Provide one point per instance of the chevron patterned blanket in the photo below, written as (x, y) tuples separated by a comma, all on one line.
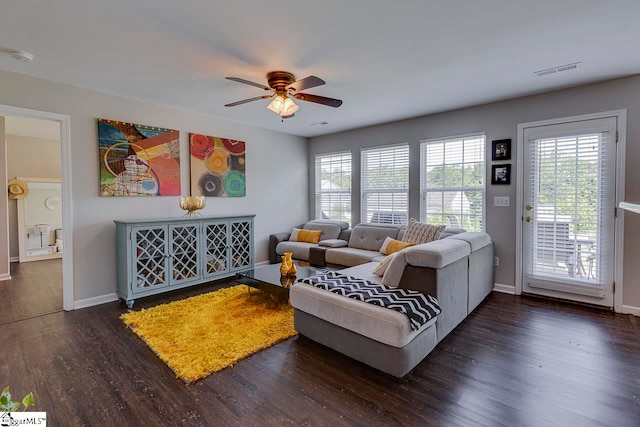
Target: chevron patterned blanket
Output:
[(420, 308)]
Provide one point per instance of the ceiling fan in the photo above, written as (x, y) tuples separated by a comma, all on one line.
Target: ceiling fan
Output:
[(283, 87)]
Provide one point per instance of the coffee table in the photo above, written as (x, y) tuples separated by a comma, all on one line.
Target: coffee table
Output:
[(268, 277)]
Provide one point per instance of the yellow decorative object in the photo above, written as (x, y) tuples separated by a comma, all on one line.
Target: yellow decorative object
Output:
[(192, 204), (292, 269), (284, 267), (309, 236), (181, 332)]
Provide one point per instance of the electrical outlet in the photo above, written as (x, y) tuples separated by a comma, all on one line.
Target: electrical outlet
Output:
[(496, 261)]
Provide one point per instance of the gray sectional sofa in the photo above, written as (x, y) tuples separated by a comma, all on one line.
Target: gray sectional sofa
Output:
[(457, 269), (339, 245)]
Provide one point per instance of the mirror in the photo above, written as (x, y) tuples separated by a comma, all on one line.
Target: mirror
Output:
[(40, 220)]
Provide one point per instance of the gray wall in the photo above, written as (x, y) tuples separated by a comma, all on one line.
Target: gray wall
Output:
[(499, 120), (31, 158), (276, 173)]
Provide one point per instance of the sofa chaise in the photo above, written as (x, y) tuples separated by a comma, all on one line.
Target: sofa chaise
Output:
[(456, 269)]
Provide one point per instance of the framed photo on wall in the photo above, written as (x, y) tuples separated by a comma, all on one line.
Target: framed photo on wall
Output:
[(501, 174), (501, 149)]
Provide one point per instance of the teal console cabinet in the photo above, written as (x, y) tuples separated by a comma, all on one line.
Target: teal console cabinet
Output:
[(160, 255)]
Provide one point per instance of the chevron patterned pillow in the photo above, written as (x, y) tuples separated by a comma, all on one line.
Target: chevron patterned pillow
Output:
[(418, 232)]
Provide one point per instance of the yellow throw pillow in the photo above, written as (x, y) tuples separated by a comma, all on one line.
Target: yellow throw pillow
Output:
[(309, 236), (392, 245)]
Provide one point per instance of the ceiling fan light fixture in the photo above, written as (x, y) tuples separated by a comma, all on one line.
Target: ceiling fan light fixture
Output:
[(283, 106), (290, 108)]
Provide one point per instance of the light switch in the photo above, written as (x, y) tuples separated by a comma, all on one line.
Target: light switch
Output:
[(502, 201)]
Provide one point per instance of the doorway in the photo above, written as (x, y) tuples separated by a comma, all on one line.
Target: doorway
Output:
[(567, 195), (66, 199)]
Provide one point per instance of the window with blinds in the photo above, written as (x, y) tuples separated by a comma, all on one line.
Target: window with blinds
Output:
[(333, 186), (568, 184), (452, 182), (385, 184)]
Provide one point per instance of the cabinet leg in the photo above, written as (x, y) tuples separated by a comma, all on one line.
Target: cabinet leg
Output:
[(130, 303)]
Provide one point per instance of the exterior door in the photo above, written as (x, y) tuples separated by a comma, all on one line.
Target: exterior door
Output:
[(568, 219)]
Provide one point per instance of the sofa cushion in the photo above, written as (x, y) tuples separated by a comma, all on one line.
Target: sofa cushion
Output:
[(299, 250), (418, 232), (436, 254), (330, 229), (333, 243), (476, 239), (349, 256), (371, 236), (363, 271), (392, 245), (378, 323), (309, 236)]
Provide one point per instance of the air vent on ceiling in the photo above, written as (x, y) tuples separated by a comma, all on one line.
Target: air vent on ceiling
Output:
[(558, 69)]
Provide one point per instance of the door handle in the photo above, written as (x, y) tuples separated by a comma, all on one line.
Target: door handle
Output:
[(528, 219), (528, 207)]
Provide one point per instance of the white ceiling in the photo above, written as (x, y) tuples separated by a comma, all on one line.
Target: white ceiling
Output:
[(387, 60)]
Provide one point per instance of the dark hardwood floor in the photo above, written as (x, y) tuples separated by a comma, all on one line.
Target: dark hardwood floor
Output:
[(35, 289), (513, 362)]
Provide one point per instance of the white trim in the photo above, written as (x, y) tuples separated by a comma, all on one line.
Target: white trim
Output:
[(90, 302), (629, 309), (4, 277), (621, 116), (505, 289), (14, 259), (262, 263), (461, 136), (67, 198)]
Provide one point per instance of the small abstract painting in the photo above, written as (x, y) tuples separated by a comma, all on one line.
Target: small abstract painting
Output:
[(138, 160), (217, 166)]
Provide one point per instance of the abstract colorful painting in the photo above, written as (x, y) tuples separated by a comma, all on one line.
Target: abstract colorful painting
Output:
[(217, 166), (138, 160)]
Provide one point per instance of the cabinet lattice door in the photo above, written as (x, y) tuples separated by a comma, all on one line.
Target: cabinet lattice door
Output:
[(241, 244), (150, 250), (184, 256), (217, 246)]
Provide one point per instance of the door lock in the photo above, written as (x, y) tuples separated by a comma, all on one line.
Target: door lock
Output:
[(528, 219), (528, 207)]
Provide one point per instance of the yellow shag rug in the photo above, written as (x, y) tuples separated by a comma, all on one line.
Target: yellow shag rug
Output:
[(204, 334)]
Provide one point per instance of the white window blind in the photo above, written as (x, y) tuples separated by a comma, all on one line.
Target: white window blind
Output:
[(452, 181), (385, 184), (333, 186), (571, 206)]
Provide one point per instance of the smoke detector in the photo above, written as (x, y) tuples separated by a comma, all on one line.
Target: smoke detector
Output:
[(558, 69), (21, 55)]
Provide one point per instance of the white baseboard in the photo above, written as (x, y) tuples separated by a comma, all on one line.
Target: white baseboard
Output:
[(629, 309), (505, 289), (89, 302), (14, 259), (5, 277), (262, 263)]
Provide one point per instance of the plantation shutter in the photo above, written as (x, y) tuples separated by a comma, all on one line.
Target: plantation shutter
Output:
[(333, 186), (385, 184), (452, 181), (570, 203)]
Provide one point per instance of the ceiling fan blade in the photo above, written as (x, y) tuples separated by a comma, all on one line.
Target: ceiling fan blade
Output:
[(331, 102), (244, 101), (306, 83), (247, 82)]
